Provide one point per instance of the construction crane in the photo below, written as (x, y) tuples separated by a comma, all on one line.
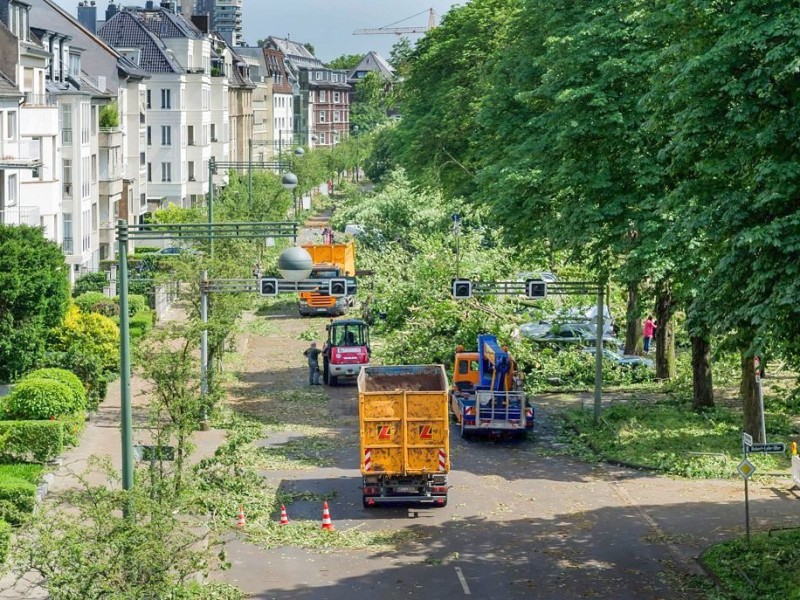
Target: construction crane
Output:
[(402, 30)]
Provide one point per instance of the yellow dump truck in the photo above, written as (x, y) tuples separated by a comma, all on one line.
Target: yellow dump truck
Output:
[(330, 261), (405, 441)]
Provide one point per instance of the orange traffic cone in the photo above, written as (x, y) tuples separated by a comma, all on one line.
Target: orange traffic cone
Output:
[(284, 516), (240, 522), (326, 518)]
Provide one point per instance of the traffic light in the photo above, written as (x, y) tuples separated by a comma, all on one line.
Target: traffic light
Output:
[(462, 289), (268, 286), (536, 289), (337, 287)]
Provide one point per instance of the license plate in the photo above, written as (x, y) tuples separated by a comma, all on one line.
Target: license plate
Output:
[(322, 310), (406, 489)]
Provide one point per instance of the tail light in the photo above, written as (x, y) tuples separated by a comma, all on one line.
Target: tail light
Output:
[(529, 413), (439, 489), (371, 491)]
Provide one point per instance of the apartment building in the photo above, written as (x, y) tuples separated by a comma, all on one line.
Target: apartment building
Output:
[(262, 134), (225, 18), (183, 128)]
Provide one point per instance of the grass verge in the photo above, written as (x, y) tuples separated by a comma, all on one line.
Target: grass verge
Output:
[(30, 473), (307, 452), (769, 567), (669, 437)]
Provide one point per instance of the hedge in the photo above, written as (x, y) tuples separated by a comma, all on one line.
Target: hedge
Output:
[(41, 399), (72, 428), (141, 323), (68, 378), (17, 499), (91, 282), (97, 302), (37, 441), (5, 541)]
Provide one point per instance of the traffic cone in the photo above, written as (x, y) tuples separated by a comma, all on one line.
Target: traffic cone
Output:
[(326, 518), (240, 522), (284, 516)]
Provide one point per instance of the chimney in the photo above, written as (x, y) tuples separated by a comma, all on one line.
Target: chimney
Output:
[(168, 6), (201, 22), (148, 5), (111, 10), (87, 15)]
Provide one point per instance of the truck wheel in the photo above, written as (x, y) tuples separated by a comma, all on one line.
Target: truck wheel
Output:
[(465, 434)]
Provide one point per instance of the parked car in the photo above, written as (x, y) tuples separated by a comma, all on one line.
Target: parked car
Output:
[(625, 360), (175, 251), (577, 333)]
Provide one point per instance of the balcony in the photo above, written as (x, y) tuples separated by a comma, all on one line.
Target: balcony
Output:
[(66, 136), (23, 154), (67, 246), (40, 100), (20, 215), (110, 137), (110, 180)]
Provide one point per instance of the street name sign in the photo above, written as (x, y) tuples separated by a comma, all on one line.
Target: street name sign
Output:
[(747, 439), (774, 448)]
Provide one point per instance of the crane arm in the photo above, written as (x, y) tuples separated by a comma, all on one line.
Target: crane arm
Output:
[(495, 363)]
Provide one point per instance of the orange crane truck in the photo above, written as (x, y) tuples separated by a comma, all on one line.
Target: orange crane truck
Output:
[(405, 438), (329, 261)]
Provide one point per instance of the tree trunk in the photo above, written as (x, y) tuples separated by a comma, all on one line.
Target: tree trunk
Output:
[(702, 382), (665, 335), (749, 393), (633, 324)]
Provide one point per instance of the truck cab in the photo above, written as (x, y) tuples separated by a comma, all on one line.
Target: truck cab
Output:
[(329, 261), (346, 350), (487, 396)]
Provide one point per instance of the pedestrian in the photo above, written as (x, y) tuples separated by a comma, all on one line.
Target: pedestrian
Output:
[(257, 270), (330, 186), (312, 353), (648, 329)]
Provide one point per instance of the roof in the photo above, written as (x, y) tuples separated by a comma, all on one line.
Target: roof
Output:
[(7, 88), (167, 24), (294, 51), (126, 30), (374, 62)]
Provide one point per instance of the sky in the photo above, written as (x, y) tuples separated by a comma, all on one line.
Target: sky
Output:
[(327, 24)]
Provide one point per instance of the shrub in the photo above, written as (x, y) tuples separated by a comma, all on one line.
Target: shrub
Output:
[(91, 282), (5, 541), (97, 303), (141, 323), (89, 369), (92, 333), (40, 399), (17, 499), (66, 377), (72, 427), (146, 249), (136, 303), (109, 115), (38, 441)]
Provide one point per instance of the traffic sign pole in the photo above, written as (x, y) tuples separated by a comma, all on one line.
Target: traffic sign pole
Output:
[(746, 488)]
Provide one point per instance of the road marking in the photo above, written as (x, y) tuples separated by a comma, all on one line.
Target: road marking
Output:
[(463, 582)]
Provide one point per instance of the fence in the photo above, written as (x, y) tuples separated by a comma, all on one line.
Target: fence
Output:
[(20, 215), (165, 295), (796, 470)]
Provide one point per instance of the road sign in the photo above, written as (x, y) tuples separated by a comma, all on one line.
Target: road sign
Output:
[(747, 439), (746, 469), (774, 448)]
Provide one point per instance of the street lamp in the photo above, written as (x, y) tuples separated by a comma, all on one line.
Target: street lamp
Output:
[(299, 151), (289, 183), (355, 132)]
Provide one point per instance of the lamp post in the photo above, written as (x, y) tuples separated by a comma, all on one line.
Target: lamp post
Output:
[(355, 133), (289, 183)]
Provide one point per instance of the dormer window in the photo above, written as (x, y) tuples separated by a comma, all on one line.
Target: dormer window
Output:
[(75, 66), (18, 21)]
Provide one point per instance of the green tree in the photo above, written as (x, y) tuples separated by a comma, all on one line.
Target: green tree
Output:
[(400, 56), (34, 292), (345, 62)]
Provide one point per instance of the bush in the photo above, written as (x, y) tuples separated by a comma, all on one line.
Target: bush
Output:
[(91, 333), (141, 323), (38, 441), (95, 302), (89, 369), (66, 377), (72, 427), (40, 399), (17, 499), (136, 303), (146, 249), (91, 282), (5, 541)]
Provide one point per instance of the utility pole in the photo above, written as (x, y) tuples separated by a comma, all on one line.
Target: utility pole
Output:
[(126, 421), (250, 172), (204, 343), (598, 354), (212, 168)]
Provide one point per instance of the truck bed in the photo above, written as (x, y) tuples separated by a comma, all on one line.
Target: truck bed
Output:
[(404, 420)]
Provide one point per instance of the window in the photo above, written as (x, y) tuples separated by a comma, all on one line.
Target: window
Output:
[(149, 135), (213, 132), (86, 170), (318, 75), (142, 159), (322, 138), (311, 97), (149, 103), (94, 120), (166, 101), (166, 171), (337, 116), (142, 200), (12, 191), (191, 170), (66, 177), (190, 133), (94, 216), (322, 117), (11, 130), (166, 135), (86, 115), (322, 95), (94, 168), (67, 220), (86, 238), (337, 97), (149, 171), (66, 124)]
